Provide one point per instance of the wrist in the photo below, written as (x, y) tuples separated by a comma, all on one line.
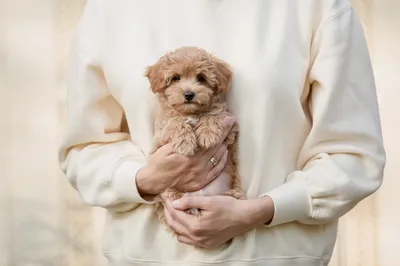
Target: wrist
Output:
[(259, 211), (145, 183), (267, 207)]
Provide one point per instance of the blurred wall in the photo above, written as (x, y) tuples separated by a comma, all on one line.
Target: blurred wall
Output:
[(42, 220), (386, 59)]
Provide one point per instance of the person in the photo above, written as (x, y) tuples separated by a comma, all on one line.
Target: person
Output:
[(310, 143)]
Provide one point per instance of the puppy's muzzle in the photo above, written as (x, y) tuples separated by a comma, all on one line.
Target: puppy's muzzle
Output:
[(188, 95)]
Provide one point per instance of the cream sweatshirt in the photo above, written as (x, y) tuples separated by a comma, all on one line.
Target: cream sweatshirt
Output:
[(304, 96)]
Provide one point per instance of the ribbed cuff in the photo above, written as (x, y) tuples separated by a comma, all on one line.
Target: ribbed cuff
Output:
[(291, 203), (124, 182)]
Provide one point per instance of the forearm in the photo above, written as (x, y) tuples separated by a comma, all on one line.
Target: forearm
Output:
[(103, 174), (342, 159)]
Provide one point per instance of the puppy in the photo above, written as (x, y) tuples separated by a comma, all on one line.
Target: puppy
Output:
[(190, 85)]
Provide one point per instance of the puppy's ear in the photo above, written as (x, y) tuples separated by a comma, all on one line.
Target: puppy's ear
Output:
[(156, 77), (223, 74)]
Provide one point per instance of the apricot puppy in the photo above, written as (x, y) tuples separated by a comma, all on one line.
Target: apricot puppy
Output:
[(190, 85)]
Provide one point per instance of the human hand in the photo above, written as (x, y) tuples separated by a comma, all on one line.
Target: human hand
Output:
[(221, 219), (165, 169)]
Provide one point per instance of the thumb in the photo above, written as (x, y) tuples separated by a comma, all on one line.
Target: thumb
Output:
[(165, 149), (184, 203)]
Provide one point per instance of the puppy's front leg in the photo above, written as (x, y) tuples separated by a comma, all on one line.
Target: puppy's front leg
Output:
[(184, 139), (209, 131)]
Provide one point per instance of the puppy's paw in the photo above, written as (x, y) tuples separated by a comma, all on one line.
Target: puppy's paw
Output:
[(194, 211), (208, 139), (186, 147)]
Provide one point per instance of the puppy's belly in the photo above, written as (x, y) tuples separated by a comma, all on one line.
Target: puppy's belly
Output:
[(218, 186)]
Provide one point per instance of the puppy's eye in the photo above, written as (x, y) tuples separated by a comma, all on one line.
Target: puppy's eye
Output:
[(200, 78), (176, 78)]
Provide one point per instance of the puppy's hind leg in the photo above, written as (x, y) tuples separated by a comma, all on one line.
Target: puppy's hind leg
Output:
[(236, 191), (232, 168)]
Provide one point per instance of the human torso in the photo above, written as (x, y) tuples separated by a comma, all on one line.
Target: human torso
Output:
[(267, 43)]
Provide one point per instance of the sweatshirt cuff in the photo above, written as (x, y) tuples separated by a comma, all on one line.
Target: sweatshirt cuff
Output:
[(291, 203), (124, 182)]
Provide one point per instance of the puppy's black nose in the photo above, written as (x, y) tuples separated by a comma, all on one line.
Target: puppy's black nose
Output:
[(189, 95)]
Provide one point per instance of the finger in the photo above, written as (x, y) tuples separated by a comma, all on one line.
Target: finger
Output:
[(186, 240), (184, 203), (218, 155), (165, 149), (174, 225), (228, 124), (180, 216), (216, 170), (210, 152)]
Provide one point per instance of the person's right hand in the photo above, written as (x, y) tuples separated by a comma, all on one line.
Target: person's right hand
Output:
[(165, 169)]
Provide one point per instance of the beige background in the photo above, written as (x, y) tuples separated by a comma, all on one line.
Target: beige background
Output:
[(42, 221)]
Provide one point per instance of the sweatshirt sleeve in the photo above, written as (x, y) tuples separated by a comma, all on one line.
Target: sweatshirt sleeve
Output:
[(97, 156), (343, 158)]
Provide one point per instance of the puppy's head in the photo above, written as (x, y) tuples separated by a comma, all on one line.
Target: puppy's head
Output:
[(189, 79)]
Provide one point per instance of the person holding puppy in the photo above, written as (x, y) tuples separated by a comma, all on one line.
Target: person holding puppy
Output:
[(310, 146)]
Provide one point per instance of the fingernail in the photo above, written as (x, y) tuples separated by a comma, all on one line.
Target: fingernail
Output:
[(175, 203), (227, 121)]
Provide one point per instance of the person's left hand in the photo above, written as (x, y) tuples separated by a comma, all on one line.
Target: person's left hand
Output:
[(222, 218)]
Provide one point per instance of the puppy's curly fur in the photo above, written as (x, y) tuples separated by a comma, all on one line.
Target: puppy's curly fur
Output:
[(190, 85)]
